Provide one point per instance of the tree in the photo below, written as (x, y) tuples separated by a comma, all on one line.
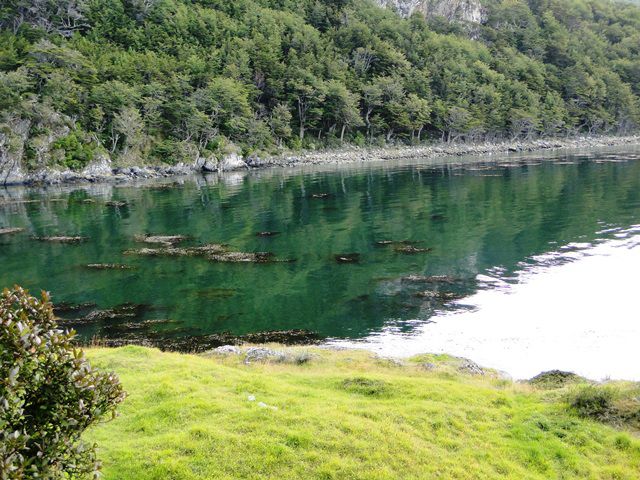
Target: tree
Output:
[(341, 107), (280, 122), (49, 394), (419, 113), (458, 122), (307, 94), (371, 99), (128, 123)]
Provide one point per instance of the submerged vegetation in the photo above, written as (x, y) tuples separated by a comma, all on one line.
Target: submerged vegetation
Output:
[(181, 80), (313, 413)]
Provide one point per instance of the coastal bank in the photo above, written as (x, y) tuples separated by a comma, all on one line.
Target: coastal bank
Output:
[(102, 169)]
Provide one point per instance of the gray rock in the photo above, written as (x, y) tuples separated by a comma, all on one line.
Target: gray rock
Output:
[(232, 162), (470, 368), (470, 11), (428, 366), (259, 354), (203, 164), (228, 350), (100, 167)]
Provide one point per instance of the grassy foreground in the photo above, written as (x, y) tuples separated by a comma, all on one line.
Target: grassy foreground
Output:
[(343, 415)]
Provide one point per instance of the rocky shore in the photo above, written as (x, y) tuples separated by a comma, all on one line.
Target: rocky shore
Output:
[(103, 171)]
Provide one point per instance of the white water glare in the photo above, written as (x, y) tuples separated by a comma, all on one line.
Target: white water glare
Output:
[(575, 309)]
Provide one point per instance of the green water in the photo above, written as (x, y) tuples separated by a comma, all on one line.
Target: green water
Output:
[(476, 216)]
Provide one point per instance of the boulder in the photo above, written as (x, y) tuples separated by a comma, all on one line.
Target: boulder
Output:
[(100, 167), (471, 368), (232, 162), (227, 350), (259, 354)]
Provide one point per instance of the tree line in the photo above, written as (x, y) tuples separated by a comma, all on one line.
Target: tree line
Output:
[(174, 80)]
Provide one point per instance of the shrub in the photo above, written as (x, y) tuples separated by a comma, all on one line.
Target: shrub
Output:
[(555, 379), (77, 152), (365, 386), (49, 394), (594, 401)]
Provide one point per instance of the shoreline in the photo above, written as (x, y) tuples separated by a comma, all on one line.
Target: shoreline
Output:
[(104, 173)]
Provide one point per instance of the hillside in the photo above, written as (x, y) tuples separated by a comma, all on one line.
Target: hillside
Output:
[(323, 414), (169, 81)]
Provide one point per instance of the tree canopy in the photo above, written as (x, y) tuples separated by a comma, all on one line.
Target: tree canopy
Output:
[(173, 80)]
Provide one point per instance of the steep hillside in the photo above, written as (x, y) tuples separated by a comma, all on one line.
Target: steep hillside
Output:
[(89, 82)]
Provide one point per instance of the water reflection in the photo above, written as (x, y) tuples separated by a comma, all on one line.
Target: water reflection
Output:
[(574, 308), (467, 220)]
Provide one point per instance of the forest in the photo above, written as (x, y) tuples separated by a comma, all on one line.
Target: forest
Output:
[(169, 81)]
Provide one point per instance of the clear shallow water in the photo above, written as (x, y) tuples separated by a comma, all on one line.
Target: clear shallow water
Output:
[(574, 309), (482, 219)]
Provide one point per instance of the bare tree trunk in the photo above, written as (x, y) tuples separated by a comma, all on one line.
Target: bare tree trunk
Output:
[(302, 111)]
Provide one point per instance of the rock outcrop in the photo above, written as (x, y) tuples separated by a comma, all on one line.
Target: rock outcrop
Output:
[(468, 11), (12, 142)]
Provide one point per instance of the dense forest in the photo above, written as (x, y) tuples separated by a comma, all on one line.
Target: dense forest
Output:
[(176, 80)]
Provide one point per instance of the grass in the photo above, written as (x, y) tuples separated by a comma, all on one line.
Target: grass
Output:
[(344, 415)]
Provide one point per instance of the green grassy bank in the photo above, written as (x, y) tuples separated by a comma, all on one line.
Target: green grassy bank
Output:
[(344, 415)]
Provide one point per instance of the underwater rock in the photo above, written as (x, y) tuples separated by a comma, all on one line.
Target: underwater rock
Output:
[(208, 249), (386, 243), (430, 279), (285, 337), (242, 257), (202, 343), (443, 296), (214, 252), (10, 231), (347, 257), (411, 250), (123, 311), (109, 266), (214, 293), (62, 239), (166, 240), (129, 327), (66, 307)]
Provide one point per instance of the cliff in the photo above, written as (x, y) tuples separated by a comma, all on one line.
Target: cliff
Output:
[(468, 11)]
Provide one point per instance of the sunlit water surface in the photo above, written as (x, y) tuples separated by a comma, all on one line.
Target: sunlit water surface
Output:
[(543, 249)]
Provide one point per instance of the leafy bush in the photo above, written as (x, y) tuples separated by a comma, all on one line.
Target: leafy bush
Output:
[(77, 153), (594, 401), (49, 394)]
